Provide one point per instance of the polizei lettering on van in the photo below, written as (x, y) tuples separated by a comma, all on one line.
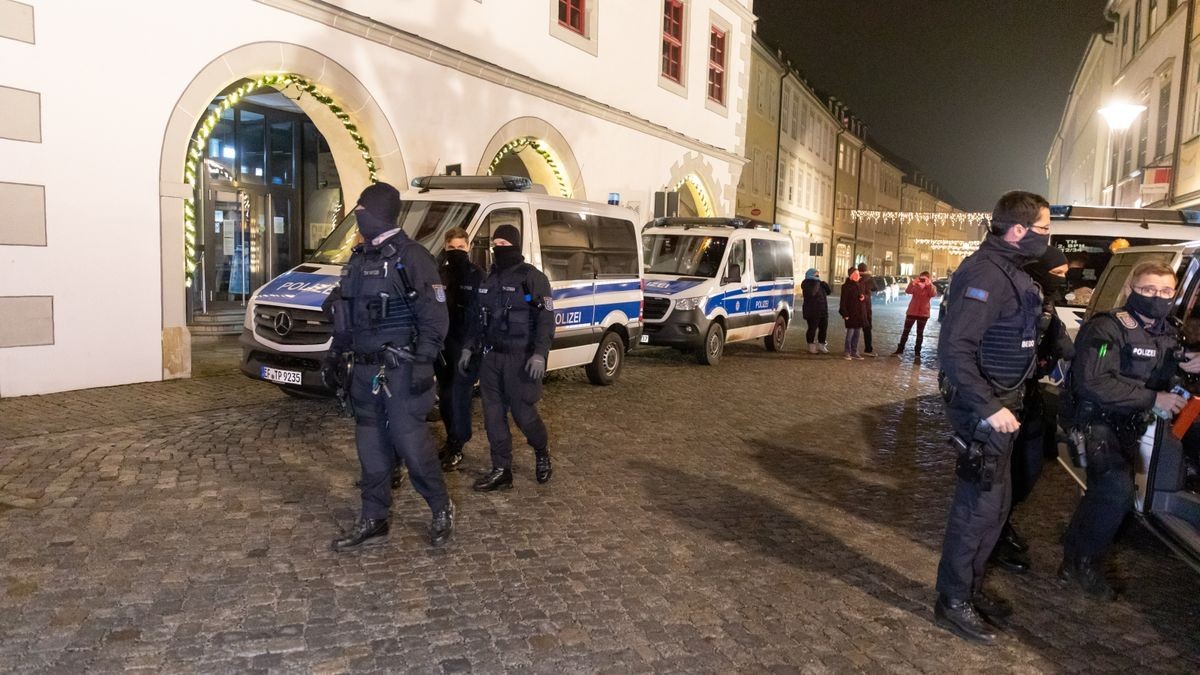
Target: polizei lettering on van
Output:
[(298, 289)]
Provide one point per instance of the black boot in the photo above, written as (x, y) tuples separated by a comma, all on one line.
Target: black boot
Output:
[(1009, 534), (1088, 573), (366, 533), (442, 525), (497, 479), (1007, 556), (451, 455), (993, 607), (543, 471), (960, 618)]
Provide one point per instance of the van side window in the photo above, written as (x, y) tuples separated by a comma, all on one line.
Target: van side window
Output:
[(481, 245), (764, 259), (783, 259), (580, 246), (737, 256)]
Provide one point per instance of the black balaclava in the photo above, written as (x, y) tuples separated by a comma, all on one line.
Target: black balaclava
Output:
[(379, 207), (507, 256), (456, 259), (1053, 286)]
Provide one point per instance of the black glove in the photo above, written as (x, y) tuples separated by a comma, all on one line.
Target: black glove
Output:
[(535, 367), (464, 361), (331, 368)]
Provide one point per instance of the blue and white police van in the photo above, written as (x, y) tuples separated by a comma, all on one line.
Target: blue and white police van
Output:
[(710, 281), (589, 251)]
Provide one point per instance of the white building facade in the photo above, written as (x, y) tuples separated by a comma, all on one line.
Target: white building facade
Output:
[(104, 241)]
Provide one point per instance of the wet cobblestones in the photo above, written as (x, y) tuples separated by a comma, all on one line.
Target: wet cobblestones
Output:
[(779, 513)]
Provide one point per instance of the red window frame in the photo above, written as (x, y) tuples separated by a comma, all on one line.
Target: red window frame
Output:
[(672, 40), (716, 65), (571, 15)]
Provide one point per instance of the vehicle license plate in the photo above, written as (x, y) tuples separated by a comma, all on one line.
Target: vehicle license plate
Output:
[(281, 376), (645, 339)]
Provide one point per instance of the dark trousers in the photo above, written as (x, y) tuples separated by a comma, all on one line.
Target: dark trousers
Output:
[(389, 430), (818, 329), (454, 395), (976, 517), (868, 346), (908, 324), (1109, 496), (1029, 447), (507, 388)]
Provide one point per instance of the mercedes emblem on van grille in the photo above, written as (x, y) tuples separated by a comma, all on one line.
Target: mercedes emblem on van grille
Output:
[(283, 324)]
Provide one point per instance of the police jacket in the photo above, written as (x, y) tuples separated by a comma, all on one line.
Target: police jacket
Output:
[(390, 293), (987, 343), (462, 284), (514, 312), (1121, 363)]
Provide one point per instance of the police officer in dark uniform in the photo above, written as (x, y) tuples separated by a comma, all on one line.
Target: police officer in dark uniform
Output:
[(389, 312), (987, 351), (1125, 361), (514, 328), (462, 279)]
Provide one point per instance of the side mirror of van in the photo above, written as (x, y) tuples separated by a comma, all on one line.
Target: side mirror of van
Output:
[(733, 275)]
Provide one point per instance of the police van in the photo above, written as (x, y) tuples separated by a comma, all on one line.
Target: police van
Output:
[(589, 251), (1168, 477), (710, 281), (1090, 235)]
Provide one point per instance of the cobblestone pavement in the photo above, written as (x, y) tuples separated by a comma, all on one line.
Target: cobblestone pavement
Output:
[(778, 513)]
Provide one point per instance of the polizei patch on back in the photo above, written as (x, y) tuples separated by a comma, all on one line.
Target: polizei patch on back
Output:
[(1126, 319), (976, 294)]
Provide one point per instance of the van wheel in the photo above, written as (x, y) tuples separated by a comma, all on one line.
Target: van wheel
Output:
[(606, 365), (774, 341), (714, 345)]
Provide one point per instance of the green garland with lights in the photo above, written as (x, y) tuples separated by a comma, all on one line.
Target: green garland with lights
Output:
[(515, 146), (698, 191), (200, 141)]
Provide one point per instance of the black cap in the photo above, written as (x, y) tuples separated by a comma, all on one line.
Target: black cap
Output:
[(508, 233)]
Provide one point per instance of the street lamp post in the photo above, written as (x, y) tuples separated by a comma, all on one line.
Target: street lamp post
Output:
[(1119, 117)]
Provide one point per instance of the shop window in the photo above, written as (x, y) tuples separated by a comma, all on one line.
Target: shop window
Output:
[(251, 155), (571, 15), (282, 154), (672, 40), (716, 65)]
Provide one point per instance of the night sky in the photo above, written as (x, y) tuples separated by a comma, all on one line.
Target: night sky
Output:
[(971, 91)]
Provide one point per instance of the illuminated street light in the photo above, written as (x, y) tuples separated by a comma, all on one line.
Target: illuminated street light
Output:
[(1119, 117)]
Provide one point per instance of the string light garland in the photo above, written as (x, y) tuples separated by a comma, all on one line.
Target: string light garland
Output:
[(931, 218), (698, 193), (543, 150), (954, 246), (196, 152)]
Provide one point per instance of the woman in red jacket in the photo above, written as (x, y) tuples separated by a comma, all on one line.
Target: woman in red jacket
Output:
[(922, 291)]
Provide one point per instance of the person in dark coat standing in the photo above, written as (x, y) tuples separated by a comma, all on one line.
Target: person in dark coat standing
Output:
[(922, 291), (867, 284), (815, 310), (462, 279), (514, 330), (853, 309)]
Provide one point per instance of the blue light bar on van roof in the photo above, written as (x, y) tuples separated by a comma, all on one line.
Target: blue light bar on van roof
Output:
[(495, 183), (686, 222)]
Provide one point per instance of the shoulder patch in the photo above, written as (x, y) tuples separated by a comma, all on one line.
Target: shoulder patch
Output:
[(439, 292), (976, 294), (1126, 319), (548, 302)]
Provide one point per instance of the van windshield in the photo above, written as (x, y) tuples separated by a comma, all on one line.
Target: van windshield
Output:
[(684, 254), (427, 222), (1087, 256)]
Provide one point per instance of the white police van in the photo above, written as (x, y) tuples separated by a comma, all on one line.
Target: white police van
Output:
[(589, 251), (715, 280)]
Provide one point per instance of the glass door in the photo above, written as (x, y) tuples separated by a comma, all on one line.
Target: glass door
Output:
[(235, 259)]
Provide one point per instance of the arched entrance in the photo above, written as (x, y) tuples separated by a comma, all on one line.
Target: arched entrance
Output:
[(694, 199), (531, 147), (360, 142)]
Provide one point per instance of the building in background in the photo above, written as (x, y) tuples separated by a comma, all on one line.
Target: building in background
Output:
[(256, 122)]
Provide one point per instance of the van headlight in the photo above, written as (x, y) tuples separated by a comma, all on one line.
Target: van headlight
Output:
[(687, 304)]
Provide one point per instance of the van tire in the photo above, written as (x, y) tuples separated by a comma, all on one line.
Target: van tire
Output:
[(710, 352), (774, 341), (606, 364)]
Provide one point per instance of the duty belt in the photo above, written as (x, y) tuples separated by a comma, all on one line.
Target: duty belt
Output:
[(371, 358)]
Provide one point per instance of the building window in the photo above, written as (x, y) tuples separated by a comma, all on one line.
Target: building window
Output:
[(1143, 142), (716, 65), (1152, 17), (1194, 113), (570, 15), (1124, 37), (672, 41), (1137, 25), (1164, 113), (786, 114)]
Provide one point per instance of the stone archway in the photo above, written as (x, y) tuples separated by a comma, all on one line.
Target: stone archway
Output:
[(542, 151), (692, 177), (353, 108)]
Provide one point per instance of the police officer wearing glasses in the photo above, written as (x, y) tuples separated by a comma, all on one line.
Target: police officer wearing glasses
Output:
[(1125, 361), (514, 327), (389, 314), (987, 349)]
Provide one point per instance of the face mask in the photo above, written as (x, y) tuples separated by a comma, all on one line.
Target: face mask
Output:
[(371, 226), (456, 257), (1153, 307), (506, 256), (1033, 245)]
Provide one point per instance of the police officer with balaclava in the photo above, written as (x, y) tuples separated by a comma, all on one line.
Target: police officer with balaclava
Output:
[(987, 351), (514, 328), (1121, 377), (462, 279), (389, 312)]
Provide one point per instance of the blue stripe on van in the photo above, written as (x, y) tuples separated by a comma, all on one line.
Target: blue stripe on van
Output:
[(598, 287)]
